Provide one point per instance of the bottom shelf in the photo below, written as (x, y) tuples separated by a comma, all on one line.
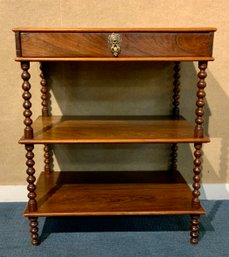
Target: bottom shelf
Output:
[(113, 193)]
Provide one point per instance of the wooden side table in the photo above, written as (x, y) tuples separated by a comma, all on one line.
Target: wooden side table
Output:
[(100, 193)]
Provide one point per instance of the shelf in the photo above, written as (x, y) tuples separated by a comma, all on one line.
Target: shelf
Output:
[(113, 193), (140, 129), (114, 59)]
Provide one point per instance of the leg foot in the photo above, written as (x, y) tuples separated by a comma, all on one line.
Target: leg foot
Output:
[(34, 230), (195, 229)]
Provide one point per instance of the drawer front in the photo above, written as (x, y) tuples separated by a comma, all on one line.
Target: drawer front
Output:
[(132, 44)]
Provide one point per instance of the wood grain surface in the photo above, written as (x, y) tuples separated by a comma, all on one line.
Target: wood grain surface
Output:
[(113, 193), (139, 129), (93, 43)]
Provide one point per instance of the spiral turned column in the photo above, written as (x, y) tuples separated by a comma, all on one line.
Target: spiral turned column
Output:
[(195, 226), (33, 222), (28, 131), (199, 131), (197, 171), (32, 203)]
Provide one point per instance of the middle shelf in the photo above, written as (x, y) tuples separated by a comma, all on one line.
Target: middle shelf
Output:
[(122, 129)]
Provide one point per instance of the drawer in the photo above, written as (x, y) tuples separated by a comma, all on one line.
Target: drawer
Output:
[(74, 44)]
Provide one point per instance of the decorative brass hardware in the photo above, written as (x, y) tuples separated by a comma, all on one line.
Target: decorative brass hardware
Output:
[(114, 40)]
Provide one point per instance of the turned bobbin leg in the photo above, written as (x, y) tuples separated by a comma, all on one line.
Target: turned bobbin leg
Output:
[(44, 92), (32, 203), (199, 133), (194, 234), (33, 222), (47, 159), (45, 113), (28, 134), (175, 111), (173, 165), (28, 131), (196, 178), (196, 193), (176, 90)]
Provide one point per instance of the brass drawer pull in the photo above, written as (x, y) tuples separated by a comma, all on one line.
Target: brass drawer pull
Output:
[(115, 40)]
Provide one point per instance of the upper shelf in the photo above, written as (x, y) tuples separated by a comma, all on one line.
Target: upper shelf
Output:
[(164, 44), (145, 129)]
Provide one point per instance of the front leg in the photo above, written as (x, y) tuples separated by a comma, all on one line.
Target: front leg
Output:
[(34, 230), (195, 229)]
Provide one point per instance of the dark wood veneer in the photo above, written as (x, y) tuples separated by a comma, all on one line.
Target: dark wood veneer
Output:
[(93, 43), (139, 44)]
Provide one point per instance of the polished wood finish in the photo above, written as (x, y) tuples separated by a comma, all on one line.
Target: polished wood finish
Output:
[(195, 221), (199, 130), (113, 59), (18, 43), (33, 222), (145, 129), (47, 159), (45, 113), (44, 92), (113, 193), (139, 43), (28, 131), (176, 90), (197, 171), (32, 203)]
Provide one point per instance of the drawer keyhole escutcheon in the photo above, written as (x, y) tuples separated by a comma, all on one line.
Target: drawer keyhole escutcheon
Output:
[(115, 40)]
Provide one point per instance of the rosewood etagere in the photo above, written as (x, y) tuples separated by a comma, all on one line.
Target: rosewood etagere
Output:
[(126, 193)]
